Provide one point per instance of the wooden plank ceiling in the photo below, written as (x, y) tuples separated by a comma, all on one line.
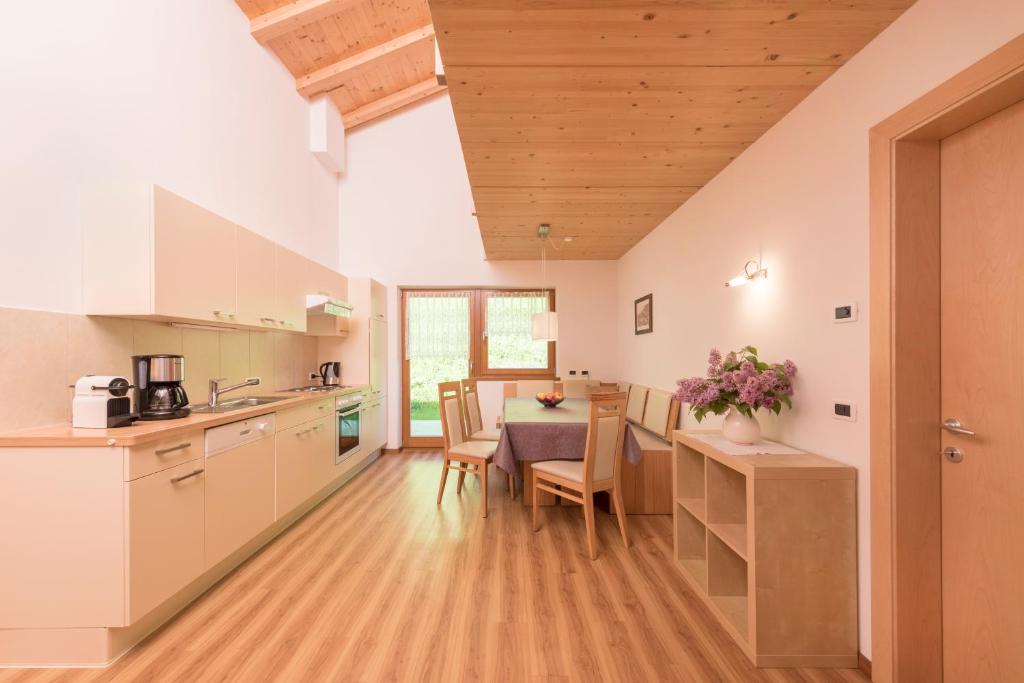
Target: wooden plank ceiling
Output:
[(372, 57), (601, 117)]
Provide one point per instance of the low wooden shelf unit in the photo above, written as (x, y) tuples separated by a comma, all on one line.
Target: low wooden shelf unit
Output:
[(770, 543)]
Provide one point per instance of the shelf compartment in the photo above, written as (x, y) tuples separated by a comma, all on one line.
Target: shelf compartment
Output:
[(695, 506), (727, 584), (689, 473), (726, 497), (691, 546), (733, 535)]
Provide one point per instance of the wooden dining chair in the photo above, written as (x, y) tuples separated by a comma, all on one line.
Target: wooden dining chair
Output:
[(474, 418), (460, 453), (598, 471)]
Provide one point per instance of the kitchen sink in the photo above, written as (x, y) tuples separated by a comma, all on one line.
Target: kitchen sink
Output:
[(237, 404)]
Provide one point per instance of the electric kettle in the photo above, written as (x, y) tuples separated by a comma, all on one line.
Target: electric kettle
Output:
[(330, 373)]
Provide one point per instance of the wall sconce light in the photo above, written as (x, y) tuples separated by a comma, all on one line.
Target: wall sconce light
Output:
[(752, 270)]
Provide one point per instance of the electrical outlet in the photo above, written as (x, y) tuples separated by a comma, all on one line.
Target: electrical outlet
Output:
[(844, 313), (572, 373), (844, 410)]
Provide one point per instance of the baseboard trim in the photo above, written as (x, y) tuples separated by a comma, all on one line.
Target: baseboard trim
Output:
[(391, 451), (864, 664)]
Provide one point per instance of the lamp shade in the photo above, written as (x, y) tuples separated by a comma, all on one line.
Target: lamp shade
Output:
[(545, 326)]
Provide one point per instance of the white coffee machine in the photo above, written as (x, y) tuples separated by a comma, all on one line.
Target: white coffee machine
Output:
[(101, 402)]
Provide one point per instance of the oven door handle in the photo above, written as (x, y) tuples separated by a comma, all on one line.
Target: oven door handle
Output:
[(352, 411)]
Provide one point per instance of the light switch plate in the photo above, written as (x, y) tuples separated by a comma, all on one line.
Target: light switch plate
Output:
[(844, 410), (844, 313)]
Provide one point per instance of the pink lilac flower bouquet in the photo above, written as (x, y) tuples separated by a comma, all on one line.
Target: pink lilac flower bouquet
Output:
[(739, 380)]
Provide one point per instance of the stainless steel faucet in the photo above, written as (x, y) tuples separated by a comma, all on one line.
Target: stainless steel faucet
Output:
[(216, 390)]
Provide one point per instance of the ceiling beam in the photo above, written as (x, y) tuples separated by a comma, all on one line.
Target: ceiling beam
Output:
[(289, 17), (334, 75), (392, 102)]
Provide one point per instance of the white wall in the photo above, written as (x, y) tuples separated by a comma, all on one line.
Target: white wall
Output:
[(176, 93), (406, 220), (799, 198)]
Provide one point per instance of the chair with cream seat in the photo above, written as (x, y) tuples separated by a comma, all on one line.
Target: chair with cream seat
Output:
[(598, 471), (460, 453), (474, 418)]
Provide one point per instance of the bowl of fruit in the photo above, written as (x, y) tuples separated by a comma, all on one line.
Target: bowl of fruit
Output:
[(550, 399)]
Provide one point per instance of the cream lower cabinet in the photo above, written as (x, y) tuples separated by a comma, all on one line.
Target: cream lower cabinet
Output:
[(305, 462), (239, 497), (165, 534)]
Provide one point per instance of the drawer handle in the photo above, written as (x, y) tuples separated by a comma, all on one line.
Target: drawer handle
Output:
[(193, 473), (304, 431), (179, 447), (245, 432), (267, 320)]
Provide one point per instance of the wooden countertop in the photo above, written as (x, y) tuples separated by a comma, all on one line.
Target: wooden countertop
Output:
[(64, 435), (769, 466)]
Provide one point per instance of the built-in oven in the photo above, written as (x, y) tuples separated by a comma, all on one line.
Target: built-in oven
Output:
[(349, 413)]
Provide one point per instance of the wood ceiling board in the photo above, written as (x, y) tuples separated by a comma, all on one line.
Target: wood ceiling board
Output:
[(555, 202), (391, 103), (381, 56), (293, 16), (564, 226), (357, 28), (699, 34), (679, 104), (392, 74), (596, 164)]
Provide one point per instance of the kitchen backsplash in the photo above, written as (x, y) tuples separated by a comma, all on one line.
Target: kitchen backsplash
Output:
[(41, 353)]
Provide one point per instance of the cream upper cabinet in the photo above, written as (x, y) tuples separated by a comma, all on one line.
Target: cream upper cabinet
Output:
[(193, 261), (378, 301), (325, 281), (147, 252), (293, 283), (378, 356), (257, 280)]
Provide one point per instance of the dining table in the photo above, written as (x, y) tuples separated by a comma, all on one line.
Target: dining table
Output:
[(532, 432)]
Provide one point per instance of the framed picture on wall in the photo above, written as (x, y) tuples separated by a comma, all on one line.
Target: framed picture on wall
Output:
[(643, 315)]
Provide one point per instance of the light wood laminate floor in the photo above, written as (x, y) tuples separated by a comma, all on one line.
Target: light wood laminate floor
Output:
[(379, 584)]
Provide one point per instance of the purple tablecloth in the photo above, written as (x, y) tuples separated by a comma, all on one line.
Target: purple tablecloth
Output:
[(532, 432)]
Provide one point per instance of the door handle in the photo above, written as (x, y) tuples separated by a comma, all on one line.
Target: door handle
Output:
[(193, 473), (952, 424)]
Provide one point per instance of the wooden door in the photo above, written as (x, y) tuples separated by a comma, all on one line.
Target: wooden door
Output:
[(256, 280), (982, 269), (194, 259)]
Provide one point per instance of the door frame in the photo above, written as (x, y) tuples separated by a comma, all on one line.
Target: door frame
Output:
[(905, 218)]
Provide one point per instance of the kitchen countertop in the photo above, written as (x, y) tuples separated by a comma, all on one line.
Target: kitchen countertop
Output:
[(64, 435)]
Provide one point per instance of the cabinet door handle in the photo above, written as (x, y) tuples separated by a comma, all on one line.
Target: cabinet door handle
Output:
[(223, 314), (179, 447), (193, 473), (267, 320)]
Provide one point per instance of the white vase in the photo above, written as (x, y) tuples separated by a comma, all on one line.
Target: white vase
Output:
[(739, 428)]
